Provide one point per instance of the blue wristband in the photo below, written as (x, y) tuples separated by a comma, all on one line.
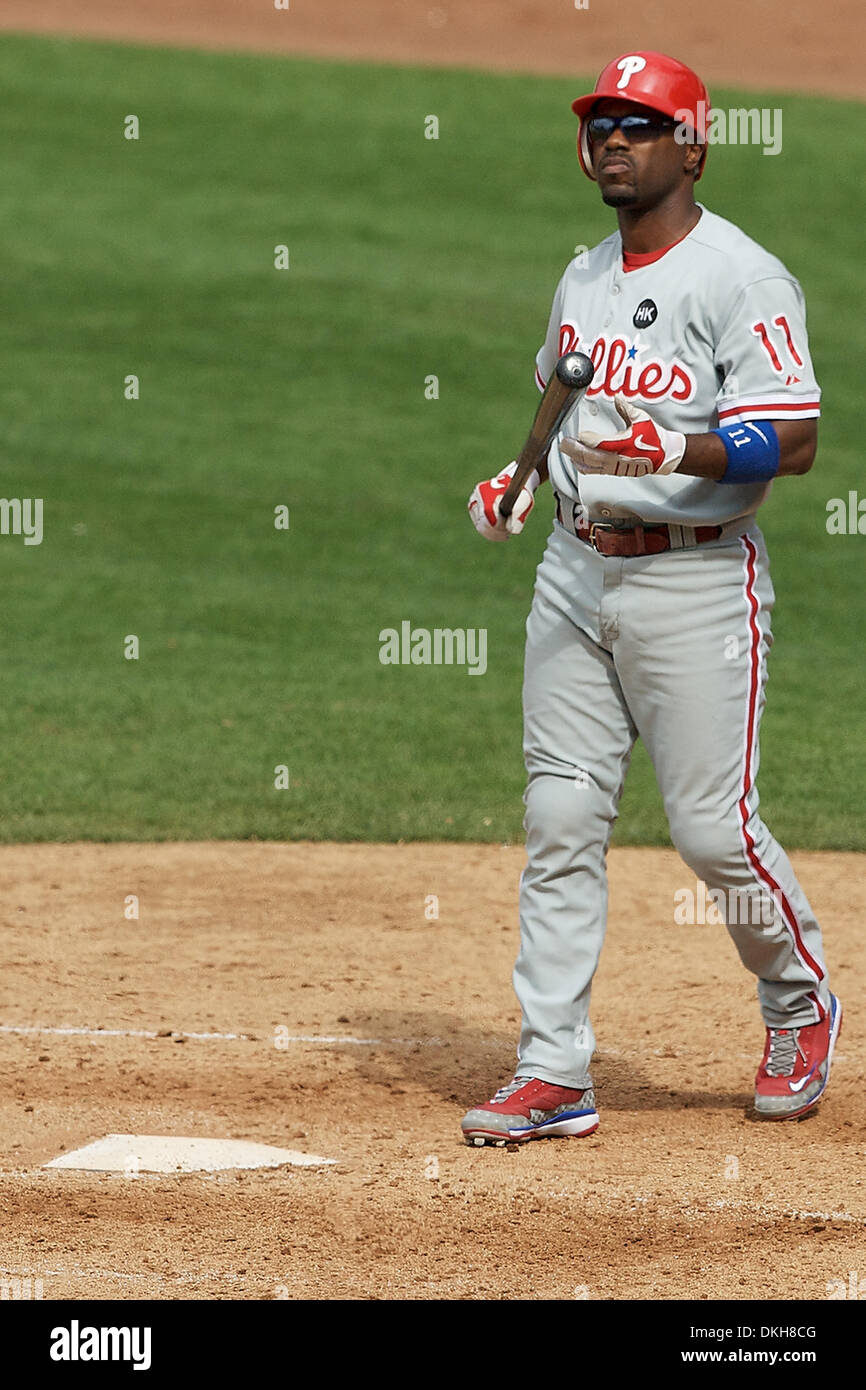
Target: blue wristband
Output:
[(753, 452)]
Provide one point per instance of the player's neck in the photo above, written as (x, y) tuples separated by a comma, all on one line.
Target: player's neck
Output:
[(652, 229)]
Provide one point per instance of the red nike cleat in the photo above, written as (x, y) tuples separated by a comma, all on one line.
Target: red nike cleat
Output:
[(795, 1067), (530, 1109)]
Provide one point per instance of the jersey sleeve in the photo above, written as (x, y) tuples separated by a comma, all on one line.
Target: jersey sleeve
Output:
[(762, 356), (548, 354)]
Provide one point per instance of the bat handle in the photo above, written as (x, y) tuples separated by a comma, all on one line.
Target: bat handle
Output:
[(508, 500), (571, 377)]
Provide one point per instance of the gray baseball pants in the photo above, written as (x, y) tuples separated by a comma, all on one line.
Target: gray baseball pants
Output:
[(671, 648)]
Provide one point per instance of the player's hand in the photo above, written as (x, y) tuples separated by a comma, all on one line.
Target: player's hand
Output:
[(642, 447), (484, 505)]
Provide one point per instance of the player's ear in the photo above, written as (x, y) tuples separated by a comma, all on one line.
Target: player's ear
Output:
[(693, 157)]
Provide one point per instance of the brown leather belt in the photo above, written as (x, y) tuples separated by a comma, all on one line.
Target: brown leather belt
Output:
[(638, 540)]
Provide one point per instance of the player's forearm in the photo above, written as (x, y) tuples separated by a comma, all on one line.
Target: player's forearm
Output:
[(706, 455)]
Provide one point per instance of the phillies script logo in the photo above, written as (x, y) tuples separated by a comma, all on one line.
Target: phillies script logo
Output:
[(621, 367)]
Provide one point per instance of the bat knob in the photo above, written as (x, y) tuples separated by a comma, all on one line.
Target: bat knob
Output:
[(575, 370)]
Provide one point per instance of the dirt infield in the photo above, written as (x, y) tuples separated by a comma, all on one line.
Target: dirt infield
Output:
[(389, 1025), (777, 45)]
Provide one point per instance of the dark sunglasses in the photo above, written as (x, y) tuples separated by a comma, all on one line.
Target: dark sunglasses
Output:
[(633, 127)]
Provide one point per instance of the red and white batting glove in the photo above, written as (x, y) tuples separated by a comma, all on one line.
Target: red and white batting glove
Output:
[(642, 447), (484, 505)]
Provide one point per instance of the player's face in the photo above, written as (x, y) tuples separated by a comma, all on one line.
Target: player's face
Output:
[(637, 169)]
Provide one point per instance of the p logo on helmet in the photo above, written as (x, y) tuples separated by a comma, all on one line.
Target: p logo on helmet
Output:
[(628, 66), (647, 79)]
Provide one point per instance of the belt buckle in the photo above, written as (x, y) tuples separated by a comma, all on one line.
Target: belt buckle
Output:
[(598, 526)]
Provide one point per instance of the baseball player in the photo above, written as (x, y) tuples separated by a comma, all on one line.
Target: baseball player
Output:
[(651, 612)]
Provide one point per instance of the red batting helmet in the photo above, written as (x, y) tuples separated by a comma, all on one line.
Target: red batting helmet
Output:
[(647, 79)]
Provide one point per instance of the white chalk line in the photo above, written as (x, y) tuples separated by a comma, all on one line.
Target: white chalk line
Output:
[(336, 1040), (765, 1210), (38, 1031), (320, 1039), (71, 1272)]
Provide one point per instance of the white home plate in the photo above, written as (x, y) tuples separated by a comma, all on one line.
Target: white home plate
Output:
[(161, 1153)]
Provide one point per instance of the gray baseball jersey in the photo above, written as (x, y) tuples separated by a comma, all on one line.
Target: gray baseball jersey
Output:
[(712, 332)]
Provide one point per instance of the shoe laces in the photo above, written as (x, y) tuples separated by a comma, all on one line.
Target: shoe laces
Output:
[(784, 1047), (508, 1090)]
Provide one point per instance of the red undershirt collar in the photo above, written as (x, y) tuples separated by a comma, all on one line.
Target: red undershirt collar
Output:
[(633, 260)]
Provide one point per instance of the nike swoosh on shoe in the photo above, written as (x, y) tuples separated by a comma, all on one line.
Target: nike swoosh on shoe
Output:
[(798, 1085)]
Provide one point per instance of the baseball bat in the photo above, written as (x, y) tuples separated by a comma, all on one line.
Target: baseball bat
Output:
[(569, 380)]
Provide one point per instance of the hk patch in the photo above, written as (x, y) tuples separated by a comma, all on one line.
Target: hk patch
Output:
[(645, 314)]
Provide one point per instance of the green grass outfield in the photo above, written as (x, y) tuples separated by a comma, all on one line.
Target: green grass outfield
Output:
[(306, 388)]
